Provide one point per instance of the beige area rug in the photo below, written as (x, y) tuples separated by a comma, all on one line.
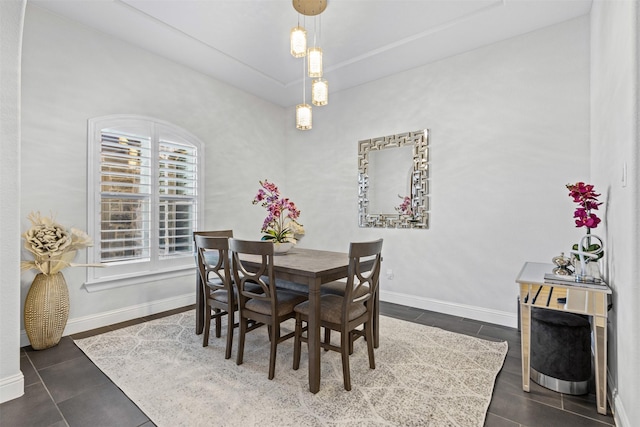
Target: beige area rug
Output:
[(424, 376)]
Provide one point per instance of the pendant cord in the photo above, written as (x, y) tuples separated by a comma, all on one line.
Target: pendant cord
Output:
[(315, 31)]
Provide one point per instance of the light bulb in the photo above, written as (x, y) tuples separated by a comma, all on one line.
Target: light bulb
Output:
[(298, 42)]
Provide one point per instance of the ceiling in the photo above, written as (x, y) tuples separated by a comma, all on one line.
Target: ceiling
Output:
[(245, 43)]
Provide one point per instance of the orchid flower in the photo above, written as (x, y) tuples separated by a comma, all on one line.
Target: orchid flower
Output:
[(280, 224)]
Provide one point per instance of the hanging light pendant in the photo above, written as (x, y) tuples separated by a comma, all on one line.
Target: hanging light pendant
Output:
[(313, 64), (304, 118), (298, 42), (314, 56), (320, 92)]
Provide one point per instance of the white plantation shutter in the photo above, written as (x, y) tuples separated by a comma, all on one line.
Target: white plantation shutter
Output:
[(177, 188), (125, 193), (144, 197)]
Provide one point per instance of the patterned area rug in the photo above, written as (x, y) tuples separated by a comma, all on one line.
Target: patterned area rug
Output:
[(424, 376)]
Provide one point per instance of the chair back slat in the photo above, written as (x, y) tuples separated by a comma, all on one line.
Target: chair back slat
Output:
[(364, 272), (213, 257), (243, 276), (213, 233)]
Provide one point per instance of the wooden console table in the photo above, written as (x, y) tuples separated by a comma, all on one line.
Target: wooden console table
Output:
[(581, 298)]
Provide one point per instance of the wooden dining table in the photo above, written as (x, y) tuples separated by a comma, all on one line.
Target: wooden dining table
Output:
[(311, 268)]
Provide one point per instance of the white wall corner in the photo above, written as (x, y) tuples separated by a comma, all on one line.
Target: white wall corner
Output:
[(11, 387), (620, 416), (11, 26)]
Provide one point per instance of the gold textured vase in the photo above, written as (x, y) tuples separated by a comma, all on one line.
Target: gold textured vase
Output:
[(46, 310)]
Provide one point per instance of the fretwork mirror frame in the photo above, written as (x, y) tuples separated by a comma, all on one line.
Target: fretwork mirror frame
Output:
[(419, 141)]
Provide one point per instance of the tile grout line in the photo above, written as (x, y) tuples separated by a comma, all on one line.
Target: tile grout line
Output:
[(561, 408), (46, 389)]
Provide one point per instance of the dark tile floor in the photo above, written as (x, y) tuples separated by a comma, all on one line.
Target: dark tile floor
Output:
[(63, 388)]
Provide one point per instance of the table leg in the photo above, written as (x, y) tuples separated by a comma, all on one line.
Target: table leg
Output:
[(599, 330), (525, 339), (199, 304), (314, 335)]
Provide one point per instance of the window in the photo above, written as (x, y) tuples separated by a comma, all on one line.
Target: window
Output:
[(144, 188)]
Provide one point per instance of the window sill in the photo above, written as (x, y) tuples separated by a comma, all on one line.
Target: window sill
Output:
[(105, 283)]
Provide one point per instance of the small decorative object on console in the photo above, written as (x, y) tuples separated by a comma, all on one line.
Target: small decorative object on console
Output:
[(563, 265)]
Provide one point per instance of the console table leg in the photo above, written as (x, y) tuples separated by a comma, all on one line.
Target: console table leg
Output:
[(525, 339), (599, 330)]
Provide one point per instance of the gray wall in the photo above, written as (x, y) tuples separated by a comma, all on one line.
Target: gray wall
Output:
[(614, 140), (509, 128), (71, 73)]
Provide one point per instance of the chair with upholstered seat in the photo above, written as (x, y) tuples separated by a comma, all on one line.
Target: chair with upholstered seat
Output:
[(215, 274), (272, 306), (346, 313), (219, 292), (200, 290), (338, 287)]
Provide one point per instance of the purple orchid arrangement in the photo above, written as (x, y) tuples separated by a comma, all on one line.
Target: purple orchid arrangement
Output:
[(280, 224), (587, 200)]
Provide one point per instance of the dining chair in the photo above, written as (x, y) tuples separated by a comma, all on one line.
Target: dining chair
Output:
[(272, 306), (200, 290), (345, 313), (215, 274), (219, 293)]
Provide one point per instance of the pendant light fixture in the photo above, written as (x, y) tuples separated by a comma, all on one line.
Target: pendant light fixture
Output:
[(298, 41), (299, 49), (304, 118), (314, 55), (319, 92)]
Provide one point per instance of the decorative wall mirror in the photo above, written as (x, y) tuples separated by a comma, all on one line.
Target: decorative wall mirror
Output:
[(392, 181)]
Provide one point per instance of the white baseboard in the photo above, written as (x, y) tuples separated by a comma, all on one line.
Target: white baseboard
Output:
[(82, 324), (477, 313), (620, 416), (11, 387)]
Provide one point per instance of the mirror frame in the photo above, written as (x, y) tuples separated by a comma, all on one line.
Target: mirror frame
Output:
[(419, 140)]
